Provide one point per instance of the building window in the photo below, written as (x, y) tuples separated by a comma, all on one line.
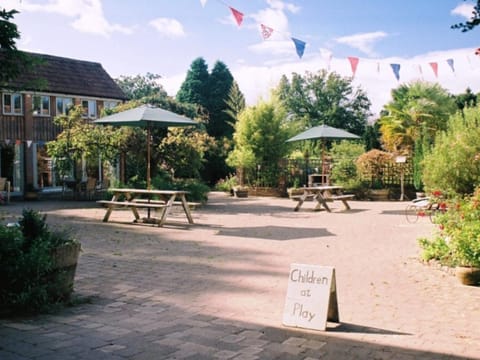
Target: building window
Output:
[(64, 105), (12, 104), (41, 105), (110, 104), (89, 109)]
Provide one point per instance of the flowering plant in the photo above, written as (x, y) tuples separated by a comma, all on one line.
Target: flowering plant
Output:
[(457, 239)]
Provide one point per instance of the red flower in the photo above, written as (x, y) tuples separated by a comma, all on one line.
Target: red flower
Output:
[(437, 193)]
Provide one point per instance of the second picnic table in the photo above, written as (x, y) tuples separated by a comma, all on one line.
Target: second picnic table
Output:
[(323, 194), (157, 200)]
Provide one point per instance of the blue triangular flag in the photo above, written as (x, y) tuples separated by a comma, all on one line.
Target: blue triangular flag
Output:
[(396, 70), (299, 46), (450, 62)]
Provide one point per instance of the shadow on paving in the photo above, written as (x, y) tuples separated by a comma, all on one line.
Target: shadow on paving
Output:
[(274, 232), (105, 328), (146, 295)]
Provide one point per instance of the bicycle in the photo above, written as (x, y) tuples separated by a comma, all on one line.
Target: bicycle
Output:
[(424, 207)]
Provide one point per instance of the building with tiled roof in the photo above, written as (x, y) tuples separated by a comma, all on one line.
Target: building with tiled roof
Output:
[(30, 102)]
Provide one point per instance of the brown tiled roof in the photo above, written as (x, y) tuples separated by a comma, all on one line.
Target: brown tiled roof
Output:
[(54, 74)]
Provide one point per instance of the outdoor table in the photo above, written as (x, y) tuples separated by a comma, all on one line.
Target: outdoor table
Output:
[(135, 199), (323, 195)]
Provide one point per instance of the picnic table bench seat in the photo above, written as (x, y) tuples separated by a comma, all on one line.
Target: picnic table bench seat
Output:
[(341, 197), (136, 204), (192, 205), (309, 197)]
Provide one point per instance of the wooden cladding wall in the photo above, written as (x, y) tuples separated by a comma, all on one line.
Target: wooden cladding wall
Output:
[(44, 129), (12, 128)]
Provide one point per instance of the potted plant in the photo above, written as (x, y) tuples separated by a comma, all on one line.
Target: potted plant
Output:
[(37, 264), (240, 191), (457, 239)]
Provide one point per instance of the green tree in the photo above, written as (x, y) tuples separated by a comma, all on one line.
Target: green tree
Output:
[(324, 98), (12, 61), (472, 23), (235, 103), (80, 139), (467, 99), (140, 86), (220, 83), (259, 138), (453, 164), (417, 110), (194, 89)]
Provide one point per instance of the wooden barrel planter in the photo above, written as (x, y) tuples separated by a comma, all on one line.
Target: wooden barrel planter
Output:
[(62, 275)]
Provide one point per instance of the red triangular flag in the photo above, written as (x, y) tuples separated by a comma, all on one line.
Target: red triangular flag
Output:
[(237, 15), (266, 31), (353, 64), (434, 66)]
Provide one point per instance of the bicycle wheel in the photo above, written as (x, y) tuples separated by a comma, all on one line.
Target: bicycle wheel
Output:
[(411, 213)]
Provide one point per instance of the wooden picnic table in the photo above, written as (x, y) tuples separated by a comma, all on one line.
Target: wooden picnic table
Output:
[(322, 195), (161, 201)]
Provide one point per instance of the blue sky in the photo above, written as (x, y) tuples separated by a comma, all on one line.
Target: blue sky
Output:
[(163, 37)]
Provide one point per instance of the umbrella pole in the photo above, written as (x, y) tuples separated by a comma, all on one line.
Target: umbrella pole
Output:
[(148, 159)]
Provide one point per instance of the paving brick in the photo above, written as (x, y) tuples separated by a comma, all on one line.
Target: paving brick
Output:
[(216, 290)]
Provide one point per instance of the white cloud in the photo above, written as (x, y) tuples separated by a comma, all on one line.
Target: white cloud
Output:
[(88, 14), (168, 27), (274, 17), (375, 76), (464, 10), (363, 42)]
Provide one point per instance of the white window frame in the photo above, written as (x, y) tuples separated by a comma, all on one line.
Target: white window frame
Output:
[(66, 104), (12, 96), (89, 108), (110, 104), (41, 110)]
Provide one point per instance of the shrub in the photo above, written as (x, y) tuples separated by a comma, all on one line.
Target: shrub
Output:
[(26, 260), (453, 163), (371, 166), (457, 239)]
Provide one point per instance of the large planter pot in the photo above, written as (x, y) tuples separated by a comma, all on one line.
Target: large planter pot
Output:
[(240, 193), (468, 275), (379, 194), (65, 258)]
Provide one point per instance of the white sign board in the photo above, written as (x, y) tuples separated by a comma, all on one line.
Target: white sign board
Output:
[(311, 297)]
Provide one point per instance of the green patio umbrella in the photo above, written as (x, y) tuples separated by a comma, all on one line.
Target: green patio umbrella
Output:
[(146, 117), (323, 132)]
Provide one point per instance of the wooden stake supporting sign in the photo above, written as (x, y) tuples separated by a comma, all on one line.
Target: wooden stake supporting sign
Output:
[(311, 297)]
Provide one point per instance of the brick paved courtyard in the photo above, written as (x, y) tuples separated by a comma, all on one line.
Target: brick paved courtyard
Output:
[(216, 289)]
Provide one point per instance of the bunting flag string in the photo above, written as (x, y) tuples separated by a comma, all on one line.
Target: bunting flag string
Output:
[(434, 66), (396, 70), (299, 46), (353, 64), (237, 15), (266, 31), (450, 63)]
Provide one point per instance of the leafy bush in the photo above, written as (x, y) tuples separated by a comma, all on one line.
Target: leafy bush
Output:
[(26, 260), (371, 165), (453, 163), (457, 240), (227, 184), (344, 170)]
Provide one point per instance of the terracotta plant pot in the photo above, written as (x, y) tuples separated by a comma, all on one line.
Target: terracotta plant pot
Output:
[(468, 275)]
